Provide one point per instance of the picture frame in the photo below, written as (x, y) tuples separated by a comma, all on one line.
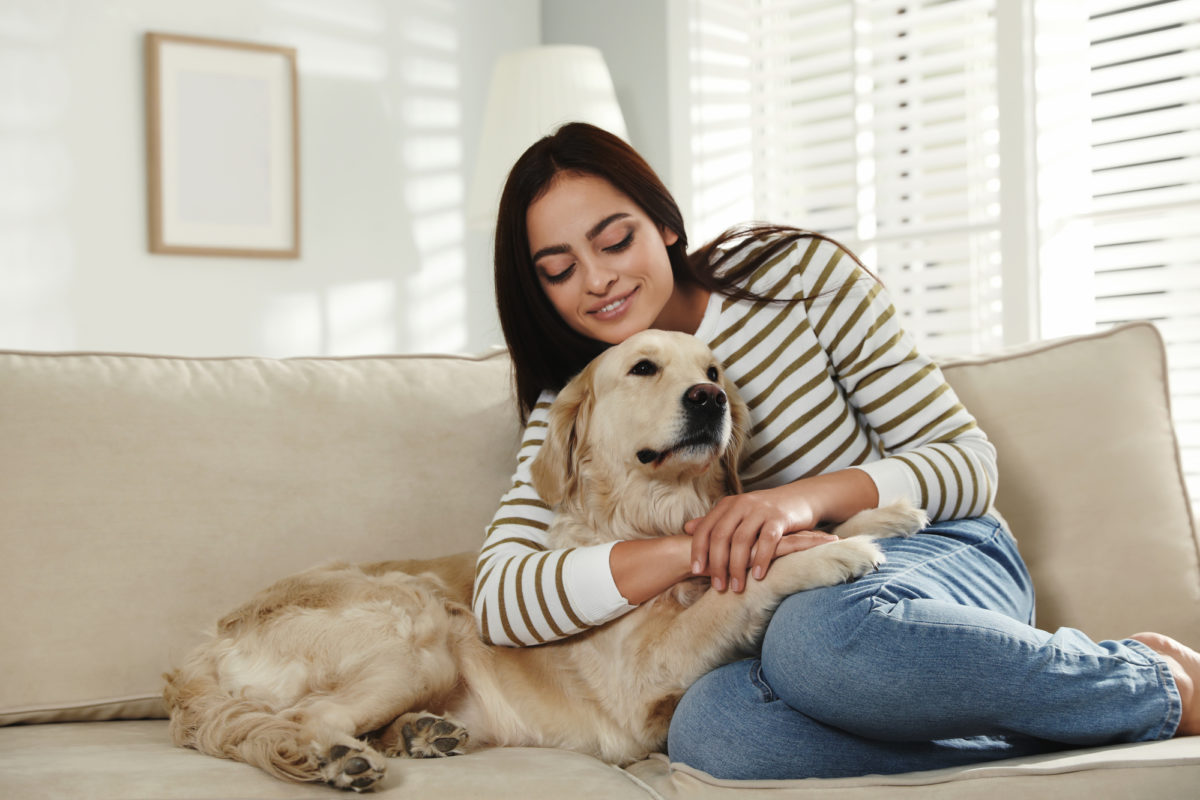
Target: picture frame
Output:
[(223, 147)]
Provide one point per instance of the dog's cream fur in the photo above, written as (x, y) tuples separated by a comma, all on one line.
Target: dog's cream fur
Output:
[(324, 674)]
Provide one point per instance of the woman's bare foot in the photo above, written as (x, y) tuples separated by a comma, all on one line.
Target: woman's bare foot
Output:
[(1184, 663)]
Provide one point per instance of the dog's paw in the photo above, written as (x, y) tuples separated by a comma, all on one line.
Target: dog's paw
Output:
[(827, 565), (857, 557), (897, 519), (352, 765), (422, 734)]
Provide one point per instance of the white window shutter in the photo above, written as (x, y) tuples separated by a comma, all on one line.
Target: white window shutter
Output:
[(880, 122)]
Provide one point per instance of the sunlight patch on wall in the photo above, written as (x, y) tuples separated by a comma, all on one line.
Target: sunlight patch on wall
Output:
[(37, 258), (360, 317), (435, 310)]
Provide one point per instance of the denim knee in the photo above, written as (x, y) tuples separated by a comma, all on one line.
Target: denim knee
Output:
[(707, 727)]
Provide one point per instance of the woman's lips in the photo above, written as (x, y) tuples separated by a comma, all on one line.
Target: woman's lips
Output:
[(611, 309)]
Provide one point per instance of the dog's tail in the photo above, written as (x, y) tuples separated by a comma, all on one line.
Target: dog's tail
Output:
[(206, 718)]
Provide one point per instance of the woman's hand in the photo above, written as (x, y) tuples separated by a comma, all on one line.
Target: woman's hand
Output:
[(744, 533)]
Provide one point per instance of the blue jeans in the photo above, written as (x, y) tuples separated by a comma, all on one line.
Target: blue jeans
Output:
[(929, 662)]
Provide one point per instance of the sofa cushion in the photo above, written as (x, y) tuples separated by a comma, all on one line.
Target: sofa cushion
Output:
[(122, 760), (1090, 479), (143, 497)]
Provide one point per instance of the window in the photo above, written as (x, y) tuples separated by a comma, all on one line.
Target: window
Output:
[(1012, 169)]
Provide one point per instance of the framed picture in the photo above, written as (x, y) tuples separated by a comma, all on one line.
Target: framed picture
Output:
[(223, 147)]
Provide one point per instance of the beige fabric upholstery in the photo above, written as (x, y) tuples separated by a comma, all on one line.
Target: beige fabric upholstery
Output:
[(141, 497), (1090, 481), (134, 760)]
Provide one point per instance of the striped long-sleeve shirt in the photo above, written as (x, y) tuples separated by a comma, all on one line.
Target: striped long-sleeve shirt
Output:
[(832, 381)]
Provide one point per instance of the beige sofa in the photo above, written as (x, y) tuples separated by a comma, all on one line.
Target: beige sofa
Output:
[(143, 496)]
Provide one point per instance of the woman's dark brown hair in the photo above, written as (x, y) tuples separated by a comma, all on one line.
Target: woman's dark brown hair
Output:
[(545, 351)]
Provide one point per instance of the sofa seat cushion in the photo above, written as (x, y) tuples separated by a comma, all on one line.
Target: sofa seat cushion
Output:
[(129, 760), (125, 760), (1169, 768)]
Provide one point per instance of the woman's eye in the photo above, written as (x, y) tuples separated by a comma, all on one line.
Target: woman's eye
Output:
[(560, 276), (713, 374), (644, 367), (621, 245)]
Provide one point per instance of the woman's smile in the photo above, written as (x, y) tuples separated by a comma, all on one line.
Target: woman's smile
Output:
[(610, 310)]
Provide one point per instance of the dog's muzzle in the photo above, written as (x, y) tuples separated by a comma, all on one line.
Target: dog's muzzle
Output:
[(704, 408)]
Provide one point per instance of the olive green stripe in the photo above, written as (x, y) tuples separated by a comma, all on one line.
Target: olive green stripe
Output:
[(911, 411), (770, 359), (541, 597), (514, 540), (972, 509), (920, 436), (562, 591), (832, 307), (503, 611), (848, 365), (853, 320), (753, 341), (920, 480), (521, 599), (788, 401), (959, 488), (484, 632), (826, 273), (948, 438), (898, 389), (794, 426), (784, 374), (813, 445), (941, 483), (760, 272), (532, 502), (832, 457), (883, 350)]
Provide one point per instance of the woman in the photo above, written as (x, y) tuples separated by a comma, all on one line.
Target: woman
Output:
[(931, 661)]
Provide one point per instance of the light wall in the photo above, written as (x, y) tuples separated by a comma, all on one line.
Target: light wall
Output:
[(392, 97)]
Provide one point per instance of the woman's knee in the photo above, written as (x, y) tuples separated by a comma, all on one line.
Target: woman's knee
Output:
[(810, 632), (717, 717)]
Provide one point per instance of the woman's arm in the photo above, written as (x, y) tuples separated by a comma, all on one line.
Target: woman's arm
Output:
[(644, 568), (933, 453), (525, 592)]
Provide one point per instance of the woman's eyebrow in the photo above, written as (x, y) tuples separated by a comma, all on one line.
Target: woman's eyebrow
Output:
[(596, 230), (604, 223)]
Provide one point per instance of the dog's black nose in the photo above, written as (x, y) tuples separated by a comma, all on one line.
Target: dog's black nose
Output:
[(705, 394)]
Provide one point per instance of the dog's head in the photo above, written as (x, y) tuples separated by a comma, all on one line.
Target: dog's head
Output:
[(655, 409)]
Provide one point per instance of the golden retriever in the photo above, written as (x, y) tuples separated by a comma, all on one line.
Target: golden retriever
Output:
[(325, 674)]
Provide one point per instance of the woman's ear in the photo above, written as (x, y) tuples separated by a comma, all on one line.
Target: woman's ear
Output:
[(555, 469), (669, 236), (739, 414)]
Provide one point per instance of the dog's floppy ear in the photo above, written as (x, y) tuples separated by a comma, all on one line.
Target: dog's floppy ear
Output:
[(739, 415), (556, 468)]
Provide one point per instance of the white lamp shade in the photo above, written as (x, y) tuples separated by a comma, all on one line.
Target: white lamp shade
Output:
[(534, 91)]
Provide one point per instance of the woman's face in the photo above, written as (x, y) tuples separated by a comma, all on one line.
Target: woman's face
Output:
[(601, 260)]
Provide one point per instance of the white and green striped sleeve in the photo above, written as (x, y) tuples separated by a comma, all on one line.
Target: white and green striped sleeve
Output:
[(525, 592), (935, 454)]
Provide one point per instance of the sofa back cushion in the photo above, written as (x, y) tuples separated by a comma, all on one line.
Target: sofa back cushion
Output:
[(1090, 479), (143, 497)]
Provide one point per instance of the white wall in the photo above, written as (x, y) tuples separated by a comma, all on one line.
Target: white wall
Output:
[(392, 97), (633, 36)]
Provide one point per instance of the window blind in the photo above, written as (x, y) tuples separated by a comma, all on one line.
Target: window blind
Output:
[(872, 121), (882, 123), (1144, 211)]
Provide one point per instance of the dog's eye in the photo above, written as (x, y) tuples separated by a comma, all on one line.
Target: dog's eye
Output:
[(713, 374), (644, 367)]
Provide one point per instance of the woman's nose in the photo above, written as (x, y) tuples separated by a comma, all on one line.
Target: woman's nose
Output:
[(599, 280)]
